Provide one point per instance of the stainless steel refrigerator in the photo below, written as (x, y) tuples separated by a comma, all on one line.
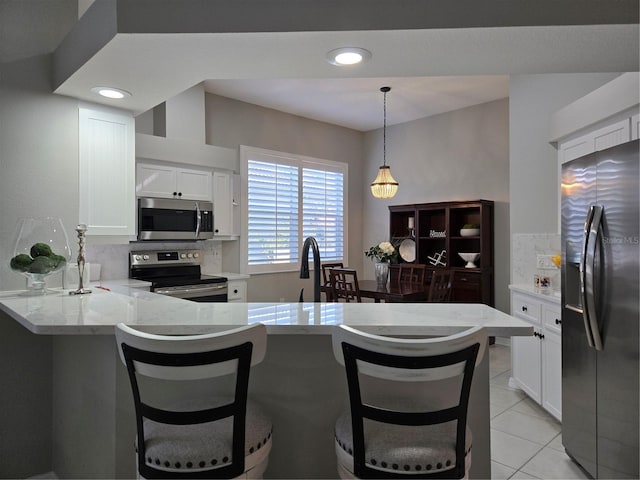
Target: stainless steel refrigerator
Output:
[(600, 296)]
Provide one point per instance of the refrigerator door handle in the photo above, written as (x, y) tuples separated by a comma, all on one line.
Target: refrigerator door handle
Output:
[(583, 276), (589, 261)]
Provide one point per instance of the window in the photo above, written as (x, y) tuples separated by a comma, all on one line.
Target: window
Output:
[(289, 198)]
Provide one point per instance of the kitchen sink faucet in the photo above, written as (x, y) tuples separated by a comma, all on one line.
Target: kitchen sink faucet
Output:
[(304, 267)]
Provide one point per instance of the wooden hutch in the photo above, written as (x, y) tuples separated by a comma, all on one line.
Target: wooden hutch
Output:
[(437, 237)]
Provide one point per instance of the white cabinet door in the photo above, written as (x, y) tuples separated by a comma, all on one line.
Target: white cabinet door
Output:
[(167, 181), (237, 291), (106, 171), (222, 203), (635, 127), (193, 184), (526, 365), (155, 181), (609, 136), (552, 373)]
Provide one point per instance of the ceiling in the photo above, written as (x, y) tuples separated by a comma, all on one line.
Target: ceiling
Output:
[(357, 103), (273, 53)]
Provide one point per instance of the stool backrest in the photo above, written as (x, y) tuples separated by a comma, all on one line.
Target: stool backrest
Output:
[(408, 360), (192, 357)]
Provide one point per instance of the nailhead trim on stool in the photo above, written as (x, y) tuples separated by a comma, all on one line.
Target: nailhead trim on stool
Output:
[(393, 448), (202, 446)]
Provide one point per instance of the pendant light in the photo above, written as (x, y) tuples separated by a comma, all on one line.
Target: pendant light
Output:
[(384, 186)]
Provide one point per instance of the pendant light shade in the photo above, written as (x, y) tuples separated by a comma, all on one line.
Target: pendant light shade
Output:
[(384, 186)]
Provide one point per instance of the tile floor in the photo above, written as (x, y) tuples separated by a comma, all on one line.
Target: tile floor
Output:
[(525, 440)]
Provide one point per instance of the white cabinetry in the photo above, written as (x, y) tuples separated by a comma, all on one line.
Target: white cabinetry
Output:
[(600, 139), (237, 291), (222, 203), (167, 181), (635, 127), (106, 171), (536, 361)]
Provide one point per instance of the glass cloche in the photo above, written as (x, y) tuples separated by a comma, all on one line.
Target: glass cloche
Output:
[(40, 249)]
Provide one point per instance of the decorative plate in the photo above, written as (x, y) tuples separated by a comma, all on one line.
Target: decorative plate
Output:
[(407, 250)]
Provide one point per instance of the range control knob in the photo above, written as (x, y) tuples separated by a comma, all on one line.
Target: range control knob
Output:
[(145, 257), (196, 255), (183, 255), (189, 255), (137, 257)]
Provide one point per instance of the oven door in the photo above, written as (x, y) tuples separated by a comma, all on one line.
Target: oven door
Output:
[(211, 292)]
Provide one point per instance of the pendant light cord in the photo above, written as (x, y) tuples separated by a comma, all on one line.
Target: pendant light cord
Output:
[(384, 90)]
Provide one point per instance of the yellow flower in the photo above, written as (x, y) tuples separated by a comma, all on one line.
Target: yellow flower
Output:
[(557, 260)]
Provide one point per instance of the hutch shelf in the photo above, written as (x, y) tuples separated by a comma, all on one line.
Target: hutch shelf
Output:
[(436, 230)]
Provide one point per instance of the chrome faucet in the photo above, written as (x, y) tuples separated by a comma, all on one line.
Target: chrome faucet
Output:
[(304, 266)]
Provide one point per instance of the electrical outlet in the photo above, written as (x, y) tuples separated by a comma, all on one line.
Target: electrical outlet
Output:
[(544, 262)]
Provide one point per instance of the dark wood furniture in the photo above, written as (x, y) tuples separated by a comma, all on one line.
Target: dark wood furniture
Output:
[(412, 273), (441, 286), (393, 292), (343, 284), (436, 229), (325, 276)]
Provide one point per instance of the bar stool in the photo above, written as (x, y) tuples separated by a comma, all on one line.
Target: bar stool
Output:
[(201, 434), (408, 404)]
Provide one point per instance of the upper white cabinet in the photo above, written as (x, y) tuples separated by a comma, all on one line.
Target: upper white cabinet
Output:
[(222, 203), (635, 127), (106, 171), (166, 181), (594, 141)]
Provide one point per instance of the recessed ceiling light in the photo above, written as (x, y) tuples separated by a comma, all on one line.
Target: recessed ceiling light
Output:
[(111, 92), (348, 56)]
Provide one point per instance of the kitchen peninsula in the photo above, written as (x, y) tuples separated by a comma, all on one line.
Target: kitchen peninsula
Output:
[(300, 384)]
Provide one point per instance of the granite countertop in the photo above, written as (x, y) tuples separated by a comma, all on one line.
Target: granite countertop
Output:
[(97, 313)]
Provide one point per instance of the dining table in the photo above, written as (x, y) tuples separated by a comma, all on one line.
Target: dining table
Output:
[(393, 291), (403, 292)]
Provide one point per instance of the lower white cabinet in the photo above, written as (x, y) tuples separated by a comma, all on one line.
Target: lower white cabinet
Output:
[(536, 361), (237, 291)]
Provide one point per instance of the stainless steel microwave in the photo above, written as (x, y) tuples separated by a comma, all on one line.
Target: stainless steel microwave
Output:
[(169, 219)]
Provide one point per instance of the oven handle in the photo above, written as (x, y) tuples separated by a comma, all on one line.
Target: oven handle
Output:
[(190, 290)]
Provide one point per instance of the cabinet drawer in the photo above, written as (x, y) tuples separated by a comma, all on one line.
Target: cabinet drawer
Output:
[(552, 318), (526, 308), (470, 279), (237, 291)]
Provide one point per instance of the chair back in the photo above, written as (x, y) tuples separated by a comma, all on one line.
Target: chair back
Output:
[(344, 285), (441, 286), (192, 357), (325, 277), (412, 273), (408, 360)]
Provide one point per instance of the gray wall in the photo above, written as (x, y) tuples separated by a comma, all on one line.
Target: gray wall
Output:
[(460, 155), (230, 123), (533, 174)]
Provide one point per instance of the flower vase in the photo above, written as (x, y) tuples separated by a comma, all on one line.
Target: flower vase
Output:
[(382, 273)]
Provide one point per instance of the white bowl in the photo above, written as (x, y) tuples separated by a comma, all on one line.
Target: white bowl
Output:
[(469, 258), (469, 232)]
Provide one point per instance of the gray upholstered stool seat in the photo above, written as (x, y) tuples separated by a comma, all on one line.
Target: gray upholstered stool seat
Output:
[(395, 448), (192, 448)]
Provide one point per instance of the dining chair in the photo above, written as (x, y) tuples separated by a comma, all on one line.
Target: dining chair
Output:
[(408, 400), (344, 284), (412, 273), (325, 276), (201, 432), (441, 286)]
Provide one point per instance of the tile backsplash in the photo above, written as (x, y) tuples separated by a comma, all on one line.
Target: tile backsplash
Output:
[(114, 259), (525, 247)]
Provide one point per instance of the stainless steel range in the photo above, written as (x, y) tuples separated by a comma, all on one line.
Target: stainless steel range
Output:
[(177, 273)]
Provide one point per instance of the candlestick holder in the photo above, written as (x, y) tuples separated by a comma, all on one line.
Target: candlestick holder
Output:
[(81, 229)]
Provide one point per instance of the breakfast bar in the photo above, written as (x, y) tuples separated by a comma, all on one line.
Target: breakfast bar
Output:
[(300, 384)]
